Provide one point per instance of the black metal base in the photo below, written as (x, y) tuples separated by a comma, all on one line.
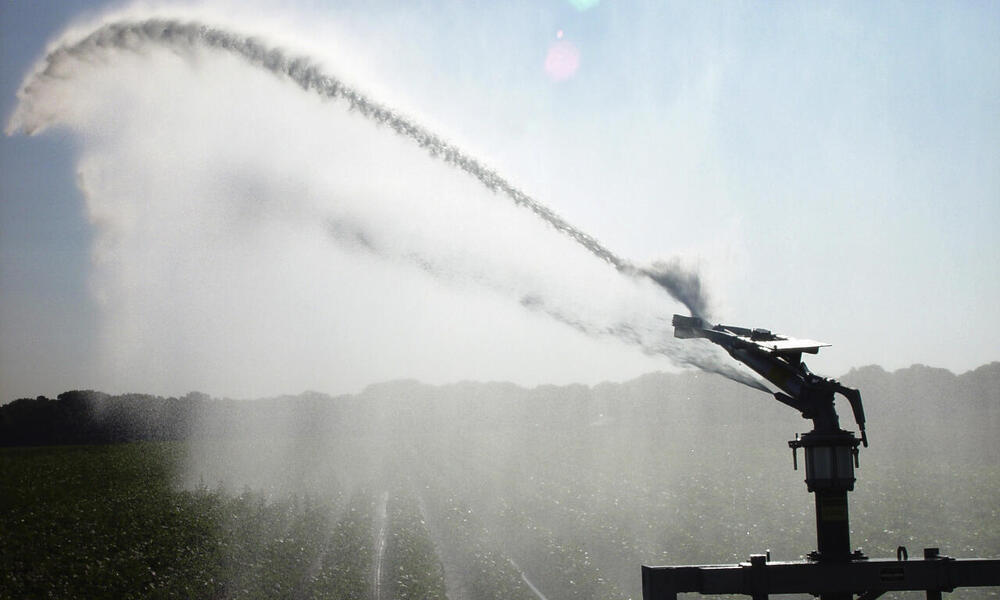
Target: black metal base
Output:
[(868, 578)]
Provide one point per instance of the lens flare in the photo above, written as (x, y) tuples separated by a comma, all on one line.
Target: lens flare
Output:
[(562, 61)]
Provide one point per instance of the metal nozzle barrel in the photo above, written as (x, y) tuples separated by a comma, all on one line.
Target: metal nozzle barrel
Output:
[(688, 327)]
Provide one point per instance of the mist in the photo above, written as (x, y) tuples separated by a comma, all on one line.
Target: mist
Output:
[(576, 486), (261, 226)]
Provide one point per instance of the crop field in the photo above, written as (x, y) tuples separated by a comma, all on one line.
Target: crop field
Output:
[(517, 515), (107, 522)]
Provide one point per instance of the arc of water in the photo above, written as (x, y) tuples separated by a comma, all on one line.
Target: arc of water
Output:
[(684, 286)]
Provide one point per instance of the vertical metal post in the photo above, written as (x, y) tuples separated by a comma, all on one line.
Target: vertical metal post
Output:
[(758, 577), (830, 458), (932, 554), (833, 531)]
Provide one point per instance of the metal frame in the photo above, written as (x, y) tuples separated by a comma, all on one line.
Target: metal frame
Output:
[(868, 578), (833, 571)]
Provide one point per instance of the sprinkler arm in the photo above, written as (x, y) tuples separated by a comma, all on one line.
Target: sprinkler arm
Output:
[(778, 359), (854, 398)]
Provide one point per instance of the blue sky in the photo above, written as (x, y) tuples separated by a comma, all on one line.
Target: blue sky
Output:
[(834, 170)]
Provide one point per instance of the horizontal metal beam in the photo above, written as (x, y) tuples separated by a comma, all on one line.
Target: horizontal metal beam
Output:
[(760, 577)]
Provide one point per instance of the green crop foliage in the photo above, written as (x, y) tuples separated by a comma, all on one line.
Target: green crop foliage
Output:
[(343, 571), (103, 522), (414, 570), (482, 516), (107, 522)]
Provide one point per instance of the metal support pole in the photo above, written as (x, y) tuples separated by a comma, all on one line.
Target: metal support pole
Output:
[(833, 530), (830, 460), (758, 576)]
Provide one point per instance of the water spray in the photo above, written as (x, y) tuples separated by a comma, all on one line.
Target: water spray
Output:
[(183, 36), (683, 285)]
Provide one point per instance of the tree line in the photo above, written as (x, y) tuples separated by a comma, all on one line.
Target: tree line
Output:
[(899, 402), (89, 417)]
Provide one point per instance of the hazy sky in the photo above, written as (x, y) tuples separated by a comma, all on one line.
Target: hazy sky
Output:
[(833, 171)]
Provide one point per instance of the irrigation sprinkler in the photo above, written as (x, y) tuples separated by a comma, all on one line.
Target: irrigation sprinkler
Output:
[(833, 571)]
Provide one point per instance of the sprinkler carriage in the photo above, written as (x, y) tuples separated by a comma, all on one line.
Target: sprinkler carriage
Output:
[(833, 571)]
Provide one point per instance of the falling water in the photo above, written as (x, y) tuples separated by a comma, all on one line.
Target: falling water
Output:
[(682, 284)]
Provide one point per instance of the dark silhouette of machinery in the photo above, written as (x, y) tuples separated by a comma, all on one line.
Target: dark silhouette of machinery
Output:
[(832, 571)]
